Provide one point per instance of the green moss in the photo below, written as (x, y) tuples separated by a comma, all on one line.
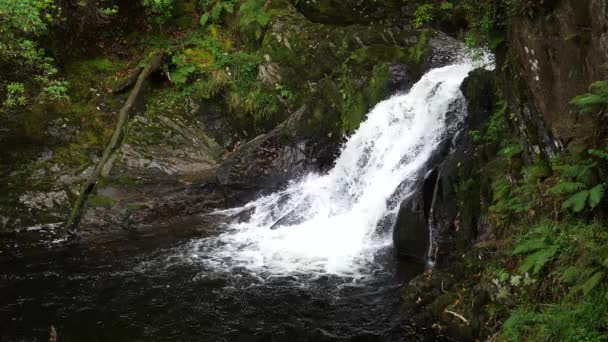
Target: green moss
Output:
[(137, 206), (419, 52), (100, 201)]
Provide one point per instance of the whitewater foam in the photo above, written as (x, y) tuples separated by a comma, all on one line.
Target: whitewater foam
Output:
[(331, 223)]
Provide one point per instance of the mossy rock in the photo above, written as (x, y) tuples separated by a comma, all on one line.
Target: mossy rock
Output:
[(347, 12)]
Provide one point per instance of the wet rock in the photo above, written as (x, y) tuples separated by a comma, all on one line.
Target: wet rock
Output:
[(43, 200), (270, 160), (434, 205), (399, 78), (550, 62), (411, 231)]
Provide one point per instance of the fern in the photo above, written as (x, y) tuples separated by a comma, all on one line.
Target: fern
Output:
[(538, 259), (599, 153), (591, 265), (577, 184), (594, 101), (214, 10), (253, 18), (566, 188), (577, 201), (590, 283), (540, 248), (596, 195)]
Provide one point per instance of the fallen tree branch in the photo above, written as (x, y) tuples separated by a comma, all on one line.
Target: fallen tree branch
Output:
[(457, 315), (73, 221)]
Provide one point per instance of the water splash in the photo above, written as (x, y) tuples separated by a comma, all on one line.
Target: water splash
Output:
[(329, 223)]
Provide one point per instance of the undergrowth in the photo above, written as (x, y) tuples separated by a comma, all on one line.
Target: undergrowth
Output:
[(551, 209)]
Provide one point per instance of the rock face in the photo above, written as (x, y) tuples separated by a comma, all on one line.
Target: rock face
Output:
[(346, 12), (270, 160), (435, 206), (374, 62), (553, 58)]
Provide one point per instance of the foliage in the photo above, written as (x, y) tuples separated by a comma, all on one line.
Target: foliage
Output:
[(595, 101), (539, 246), (485, 19), (101, 201), (214, 10), (497, 125), (577, 184), (253, 18), (28, 73), (423, 14), (159, 11), (566, 321)]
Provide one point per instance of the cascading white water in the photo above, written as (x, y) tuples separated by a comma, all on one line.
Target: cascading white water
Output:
[(328, 224)]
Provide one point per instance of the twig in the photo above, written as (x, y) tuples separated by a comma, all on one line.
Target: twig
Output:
[(457, 315)]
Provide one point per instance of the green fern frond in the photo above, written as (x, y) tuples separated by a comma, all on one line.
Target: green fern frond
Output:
[(596, 195), (529, 246), (577, 172), (585, 173), (535, 261), (571, 274), (599, 153), (600, 87), (588, 101), (577, 201), (253, 17), (565, 188), (590, 283)]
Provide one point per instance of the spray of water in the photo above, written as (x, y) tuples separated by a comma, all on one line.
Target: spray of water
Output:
[(328, 224)]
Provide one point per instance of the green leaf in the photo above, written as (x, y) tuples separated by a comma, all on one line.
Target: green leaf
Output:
[(216, 12), (537, 260), (590, 283), (446, 6), (204, 19), (596, 195), (600, 87), (229, 7), (529, 246), (571, 274), (599, 153), (180, 75), (577, 201), (565, 188)]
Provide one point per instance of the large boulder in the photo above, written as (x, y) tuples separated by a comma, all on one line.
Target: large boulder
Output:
[(270, 160)]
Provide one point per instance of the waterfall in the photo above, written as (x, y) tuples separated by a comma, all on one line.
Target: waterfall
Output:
[(332, 223)]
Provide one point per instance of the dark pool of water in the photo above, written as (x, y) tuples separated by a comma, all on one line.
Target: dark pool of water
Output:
[(121, 290)]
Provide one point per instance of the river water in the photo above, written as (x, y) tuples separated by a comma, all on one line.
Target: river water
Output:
[(310, 263)]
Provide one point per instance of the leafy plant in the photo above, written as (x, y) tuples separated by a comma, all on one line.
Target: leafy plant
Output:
[(577, 185), (32, 76), (594, 101), (423, 14), (214, 10), (253, 18), (159, 11), (539, 246)]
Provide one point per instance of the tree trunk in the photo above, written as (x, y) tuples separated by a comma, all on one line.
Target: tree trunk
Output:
[(73, 221)]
